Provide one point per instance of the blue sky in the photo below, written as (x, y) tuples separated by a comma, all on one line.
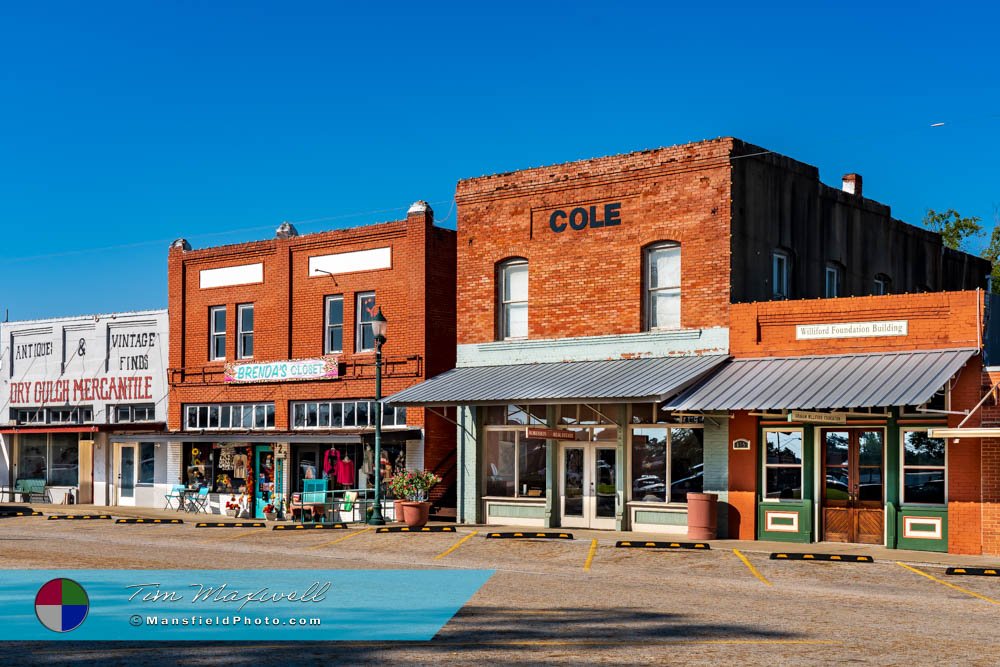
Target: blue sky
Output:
[(126, 125)]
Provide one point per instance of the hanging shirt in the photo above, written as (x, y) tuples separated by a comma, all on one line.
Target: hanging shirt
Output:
[(345, 473), (330, 461)]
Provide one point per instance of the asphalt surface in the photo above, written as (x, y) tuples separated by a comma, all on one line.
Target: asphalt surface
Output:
[(553, 602)]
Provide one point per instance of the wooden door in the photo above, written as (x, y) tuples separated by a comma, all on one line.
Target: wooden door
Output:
[(853, 480)]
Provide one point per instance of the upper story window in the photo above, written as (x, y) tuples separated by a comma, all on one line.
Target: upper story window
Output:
[(244, 331), (779, 274), (333, 340), (364, 312), (882, 285), (833, 281), (663, 286), (125, 414), (513, 297), (217, 333), (248, 416)]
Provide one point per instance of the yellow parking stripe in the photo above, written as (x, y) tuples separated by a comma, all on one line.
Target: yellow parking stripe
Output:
[(240, 535), (341, 539), (750, 566), (590, 556), (949, 585), (456, 545)]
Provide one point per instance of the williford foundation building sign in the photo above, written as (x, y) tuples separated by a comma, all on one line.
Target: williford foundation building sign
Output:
[(82, 399)]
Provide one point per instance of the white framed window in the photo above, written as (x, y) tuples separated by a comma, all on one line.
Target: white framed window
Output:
[(779, 274), (333, 326), (217, 333), (364, 313), (924, 478), (833, 280), (244, 331), (344, 414), (515, 464), (512, 295), (667, 462), (663, 286), (881, 285), (135, 413), (78, 415), (783, 464), (29, 416), (223, 416)]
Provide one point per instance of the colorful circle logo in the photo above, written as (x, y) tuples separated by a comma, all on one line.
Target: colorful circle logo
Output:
[(61, 605)]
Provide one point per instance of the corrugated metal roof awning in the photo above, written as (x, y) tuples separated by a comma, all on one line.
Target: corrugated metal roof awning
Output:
[(825, 382), (617, 380)]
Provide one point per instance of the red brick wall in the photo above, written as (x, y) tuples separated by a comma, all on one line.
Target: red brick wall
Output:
[(990, 470), (936, 321), (289, 318), (964, 469), (589, 282)]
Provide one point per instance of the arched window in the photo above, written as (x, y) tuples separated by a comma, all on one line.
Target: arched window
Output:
[(663, 286), (512, 299)]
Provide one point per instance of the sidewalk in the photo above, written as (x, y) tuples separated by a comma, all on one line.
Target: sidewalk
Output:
[(603, 537)]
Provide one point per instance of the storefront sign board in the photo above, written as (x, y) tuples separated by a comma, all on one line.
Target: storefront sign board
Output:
[(851, 330), (817, 417), (282, 371), (550, 433)]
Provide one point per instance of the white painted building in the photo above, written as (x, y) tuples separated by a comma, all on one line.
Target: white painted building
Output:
[(81, 402)]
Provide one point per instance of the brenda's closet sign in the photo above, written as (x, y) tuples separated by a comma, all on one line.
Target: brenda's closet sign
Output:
[(282, 371)]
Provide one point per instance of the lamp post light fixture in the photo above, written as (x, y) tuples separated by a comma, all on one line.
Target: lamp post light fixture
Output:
[(378, 330)]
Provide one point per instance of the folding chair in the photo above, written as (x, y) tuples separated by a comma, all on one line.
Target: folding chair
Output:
[(199, 503), (347, 504), (174, 498)]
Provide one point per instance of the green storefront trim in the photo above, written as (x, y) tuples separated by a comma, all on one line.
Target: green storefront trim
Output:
[(928, 528)]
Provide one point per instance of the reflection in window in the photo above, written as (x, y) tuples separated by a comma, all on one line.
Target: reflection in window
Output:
[(515, 465), (652, 466), (147, 462), (783, 465), (924, 468)]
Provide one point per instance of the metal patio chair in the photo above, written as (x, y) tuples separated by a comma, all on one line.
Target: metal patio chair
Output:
[(199, 502), (174, 499)]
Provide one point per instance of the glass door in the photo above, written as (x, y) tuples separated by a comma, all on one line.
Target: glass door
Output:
[(853, 493), (263, 486), (126, 474), (588, 480)]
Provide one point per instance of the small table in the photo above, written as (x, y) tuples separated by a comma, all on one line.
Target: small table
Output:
[(186, 499)]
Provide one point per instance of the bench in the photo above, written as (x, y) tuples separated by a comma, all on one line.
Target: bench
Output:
[(31, 490)]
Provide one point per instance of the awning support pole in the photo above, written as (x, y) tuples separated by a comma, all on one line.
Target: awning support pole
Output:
[(979, 404)]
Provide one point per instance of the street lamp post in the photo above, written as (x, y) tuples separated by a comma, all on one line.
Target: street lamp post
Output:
[(378, 329)]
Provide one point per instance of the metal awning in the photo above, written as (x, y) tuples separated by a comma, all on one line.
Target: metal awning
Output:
[(613, 381), (825, 382)]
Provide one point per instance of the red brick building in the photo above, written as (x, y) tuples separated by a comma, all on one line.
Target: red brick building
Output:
[(271, 373)]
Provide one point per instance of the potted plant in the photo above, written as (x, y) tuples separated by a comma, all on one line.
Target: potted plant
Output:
[(412, 486), (270, 512), (233, 507)]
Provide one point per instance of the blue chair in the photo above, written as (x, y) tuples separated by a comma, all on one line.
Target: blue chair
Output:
[(200, 502), (174, 498)]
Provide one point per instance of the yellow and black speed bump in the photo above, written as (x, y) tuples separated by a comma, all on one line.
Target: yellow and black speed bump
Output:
[(974, 571), (530, 536), (310, 526), (231, 524), (663, 545), (837, 558), (78, 517), (423, 529), (6, 514), (151, 522)]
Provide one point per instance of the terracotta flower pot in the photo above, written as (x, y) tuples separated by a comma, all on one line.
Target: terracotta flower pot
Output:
[(415, 513), (397, 510)]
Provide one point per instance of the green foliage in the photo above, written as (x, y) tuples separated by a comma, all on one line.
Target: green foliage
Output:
[(992, 252), (412, 485), (954, 229)]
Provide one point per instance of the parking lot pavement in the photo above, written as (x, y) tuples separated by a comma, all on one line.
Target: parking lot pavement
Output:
[(543, 606)]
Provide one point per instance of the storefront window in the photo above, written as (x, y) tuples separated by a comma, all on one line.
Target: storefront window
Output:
[(515, 465), (147, 462), (64, 459), (31, 463), (661, 454), (783, 465), (924, 468), (198, 465)]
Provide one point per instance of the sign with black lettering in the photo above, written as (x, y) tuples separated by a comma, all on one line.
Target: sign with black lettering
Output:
[(581, 217)]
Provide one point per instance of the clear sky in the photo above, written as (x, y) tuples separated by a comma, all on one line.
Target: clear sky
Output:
[(126, 125)]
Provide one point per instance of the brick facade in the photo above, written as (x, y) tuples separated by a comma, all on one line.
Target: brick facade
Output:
[(416, 294), (589, 282)]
